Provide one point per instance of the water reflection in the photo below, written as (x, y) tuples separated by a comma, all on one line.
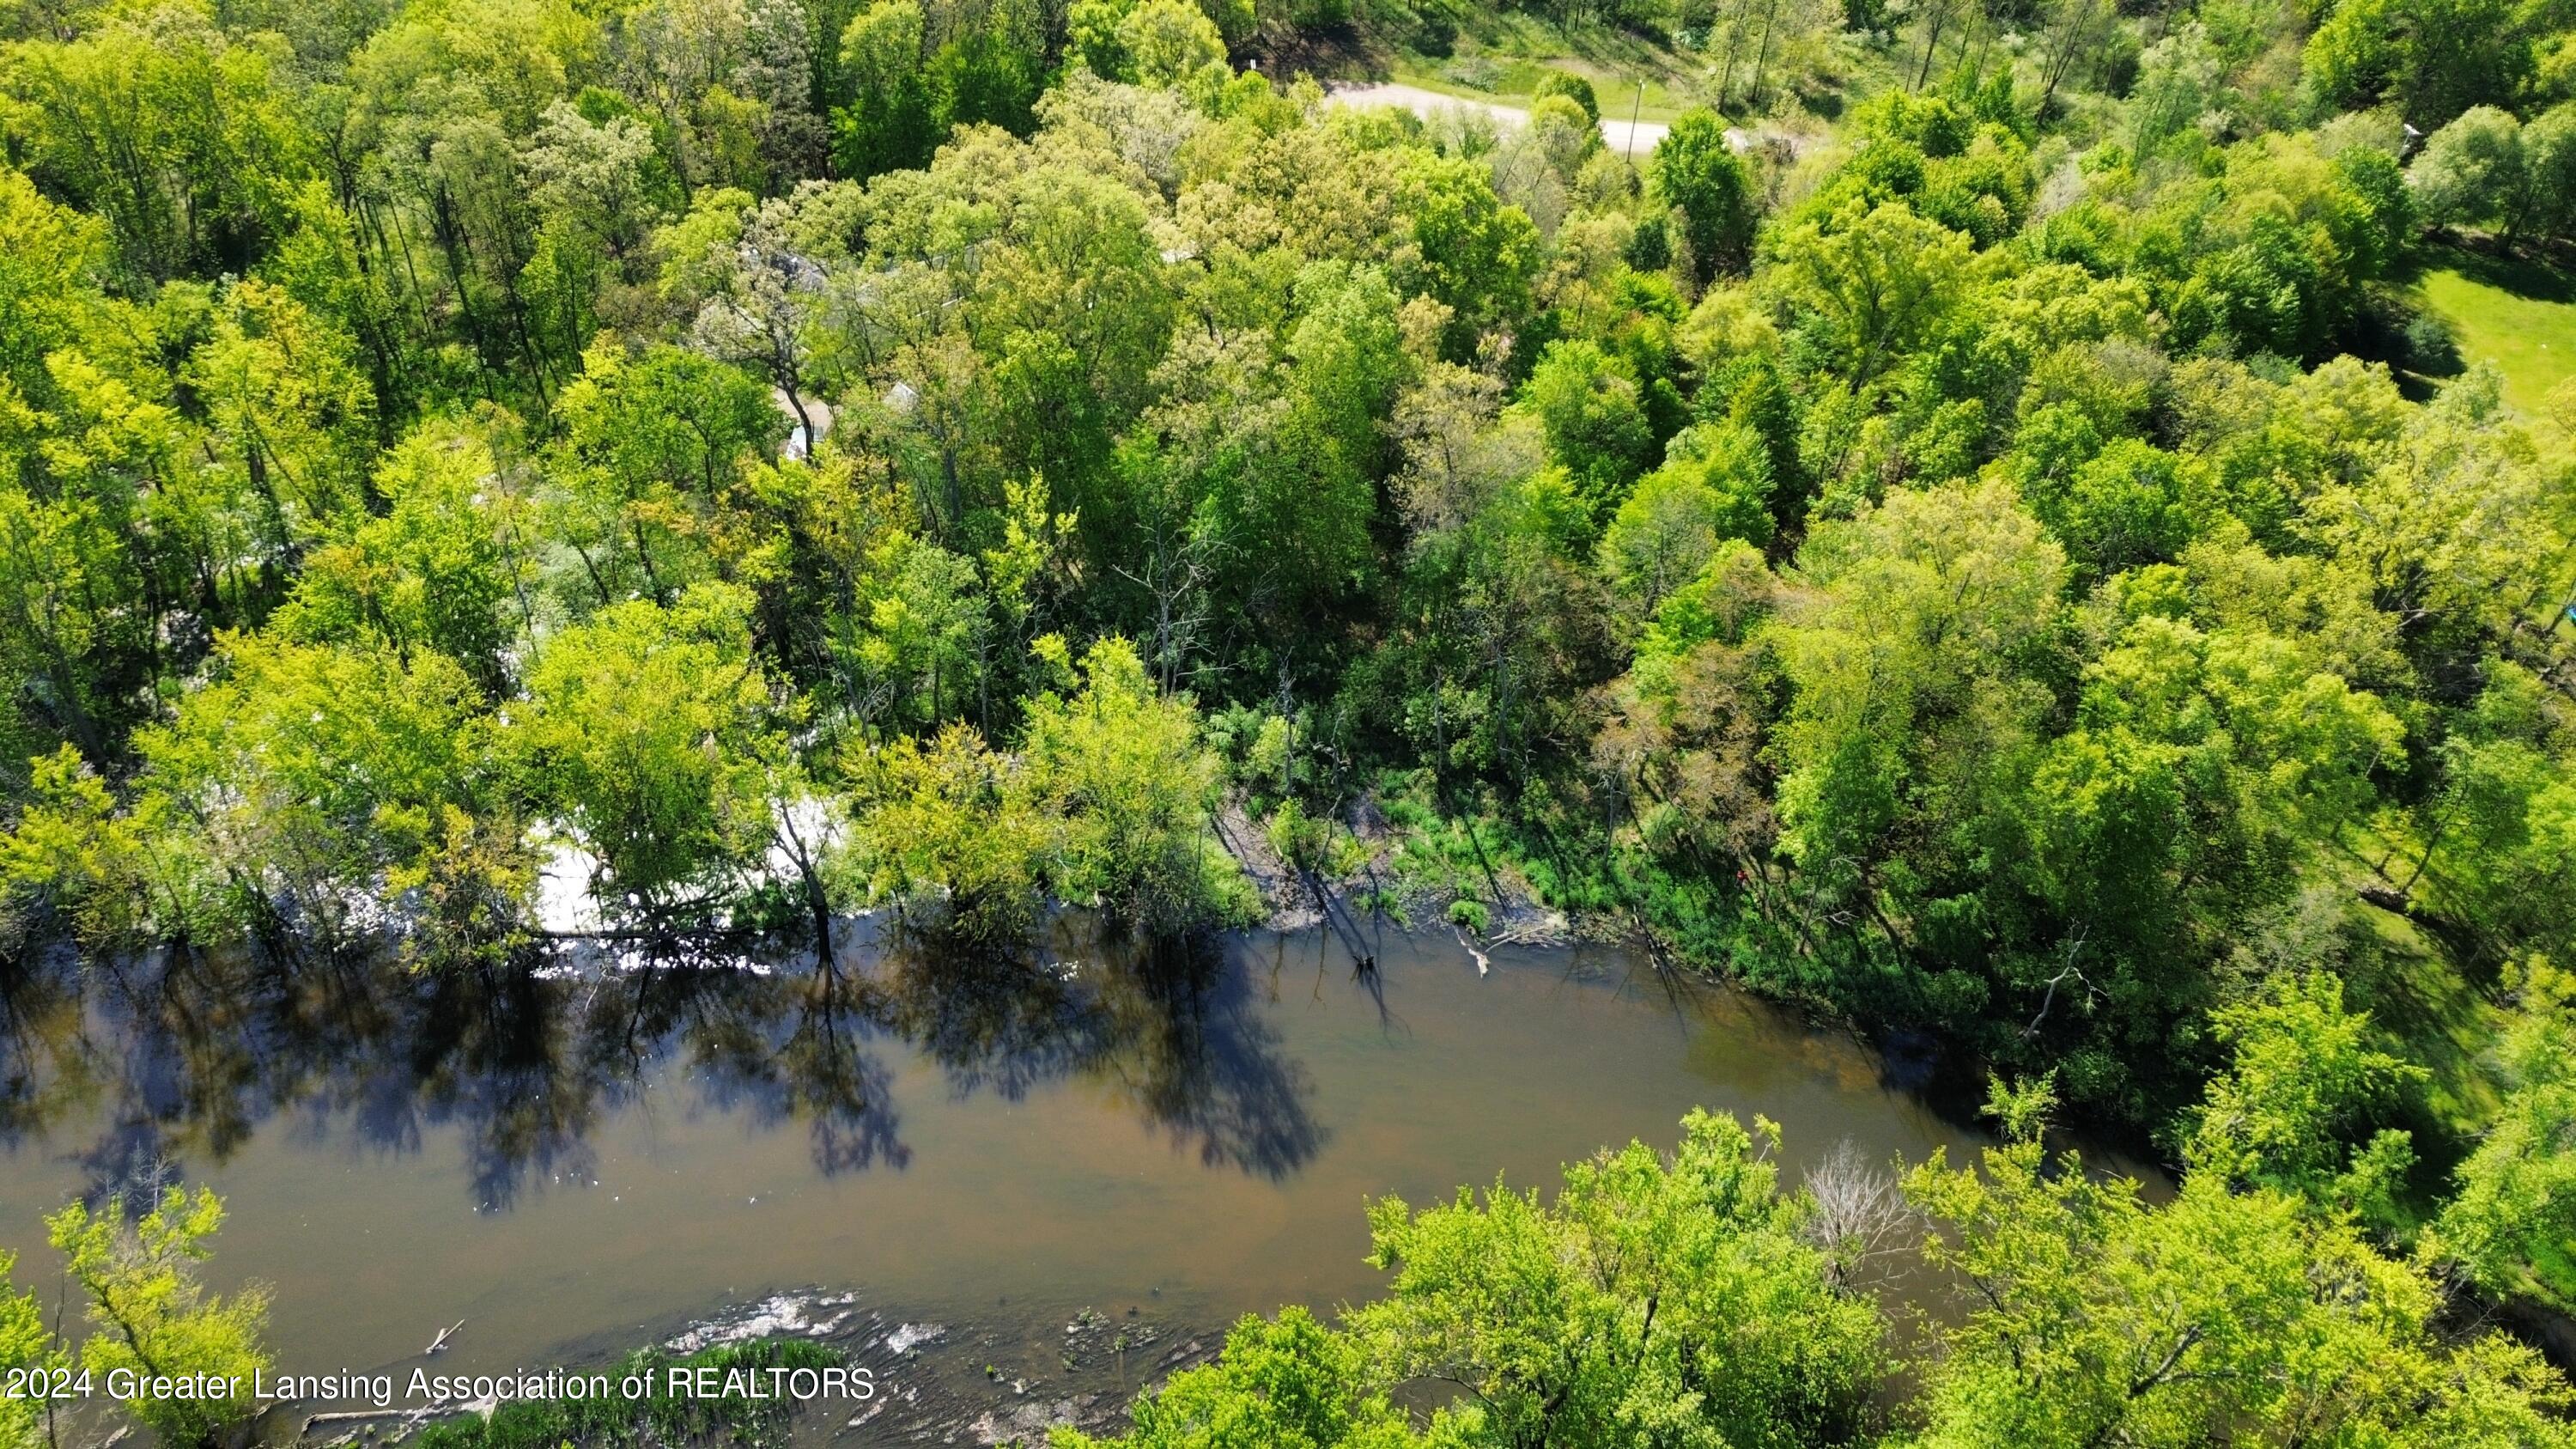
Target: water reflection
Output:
[(994, 1024), (780, 1050), (39, 1012), (177, 1061), (1174, 1034), (615, 1144), (1193, 1055)]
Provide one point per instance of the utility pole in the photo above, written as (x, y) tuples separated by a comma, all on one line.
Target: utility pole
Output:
[(1635, 111)]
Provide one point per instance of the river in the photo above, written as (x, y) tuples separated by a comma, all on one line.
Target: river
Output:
[(592, 1159)]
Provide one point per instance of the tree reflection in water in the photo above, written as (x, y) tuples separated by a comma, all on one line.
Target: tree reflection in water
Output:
[(1193, 1054), (179, 1059), (47, 1065), (1172, 1029), (786, 1048)]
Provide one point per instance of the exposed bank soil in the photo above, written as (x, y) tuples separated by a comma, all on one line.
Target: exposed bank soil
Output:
[(2548, 1329)]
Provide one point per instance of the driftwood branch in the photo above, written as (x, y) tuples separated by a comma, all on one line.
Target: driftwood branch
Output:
[(352, 1416), (1482, 960), (360, 1416)]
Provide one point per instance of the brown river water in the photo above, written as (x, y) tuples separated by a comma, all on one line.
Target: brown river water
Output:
[(573, 1165)]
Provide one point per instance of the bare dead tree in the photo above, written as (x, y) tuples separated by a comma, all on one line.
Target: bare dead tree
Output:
[(1861, 1218)]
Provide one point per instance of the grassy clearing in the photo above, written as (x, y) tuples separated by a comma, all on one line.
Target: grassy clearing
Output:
[(2518, 315), (1515, 81), (1502, 56), (1474, 52)]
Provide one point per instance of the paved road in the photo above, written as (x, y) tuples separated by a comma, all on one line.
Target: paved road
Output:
[(1638, 142)]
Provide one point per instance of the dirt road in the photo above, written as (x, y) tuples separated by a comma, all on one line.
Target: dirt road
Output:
[(1638, 141)]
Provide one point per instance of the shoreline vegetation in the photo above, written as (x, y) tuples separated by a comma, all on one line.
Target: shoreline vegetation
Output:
[(2004, 527)]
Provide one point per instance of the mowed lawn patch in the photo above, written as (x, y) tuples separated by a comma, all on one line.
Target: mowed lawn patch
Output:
[(2517, 315)]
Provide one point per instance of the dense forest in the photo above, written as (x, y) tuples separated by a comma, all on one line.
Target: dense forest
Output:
[(1970, 532)]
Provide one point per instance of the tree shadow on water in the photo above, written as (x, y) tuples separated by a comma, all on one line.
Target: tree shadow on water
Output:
[(495, 1057), (1196, 1059), (182, 1059), (1174, 1029), (789, 1048)]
